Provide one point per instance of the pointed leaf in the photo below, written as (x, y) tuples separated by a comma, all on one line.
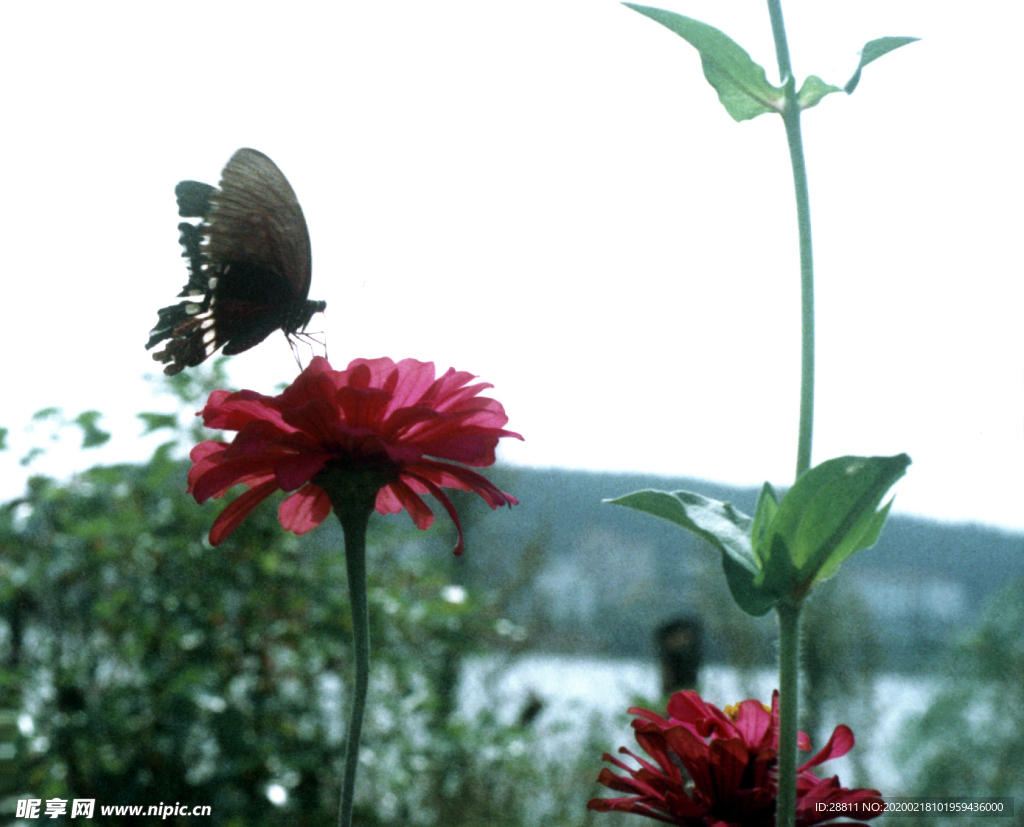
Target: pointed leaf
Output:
[(767, 506), (813, 90), (828, 514), (842, 513), (717, 522), (867, 539), (873, 50), (722, 525), (742, 85)]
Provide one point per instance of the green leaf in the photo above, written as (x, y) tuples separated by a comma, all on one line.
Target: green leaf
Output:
[(742, 85), (813, 90), (718, 522), (867, 538), (722, 525), (828, 514), (767, 506), (92, 434), (873, 50), (747, 589), (30, 456), (156, 421), (3, 438)]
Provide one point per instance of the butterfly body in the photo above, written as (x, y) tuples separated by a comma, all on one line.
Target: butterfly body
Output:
[(249, 262)]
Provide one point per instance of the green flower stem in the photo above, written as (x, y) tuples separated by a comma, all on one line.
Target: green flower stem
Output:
[(352, 490), (789, 611), (354, 514), (781, 45), (791, 120), (789, 650)]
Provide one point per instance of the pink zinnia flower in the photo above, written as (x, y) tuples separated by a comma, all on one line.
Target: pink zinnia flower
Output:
[(409, 431), (718, 769)]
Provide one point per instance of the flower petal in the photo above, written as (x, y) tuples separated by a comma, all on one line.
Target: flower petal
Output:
[(305, 509), (838, 745), (455, 476), (238, 510), (295, 470), (406, 498), (214, 479), (441, 497)]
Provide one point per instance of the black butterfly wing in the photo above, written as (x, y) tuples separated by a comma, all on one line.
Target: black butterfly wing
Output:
[(255, 219), (249, 264)]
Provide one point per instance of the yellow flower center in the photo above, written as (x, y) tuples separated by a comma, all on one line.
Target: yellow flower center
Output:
[(733, 710)]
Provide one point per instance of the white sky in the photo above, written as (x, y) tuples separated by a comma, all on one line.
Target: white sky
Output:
[(547, 194)]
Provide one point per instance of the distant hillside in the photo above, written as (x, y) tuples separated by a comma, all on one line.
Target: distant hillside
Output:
[(585, 576)]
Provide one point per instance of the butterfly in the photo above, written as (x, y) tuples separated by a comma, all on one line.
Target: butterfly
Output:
[(249, 263)]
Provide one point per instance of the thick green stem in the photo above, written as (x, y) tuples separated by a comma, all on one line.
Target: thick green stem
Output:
[(355, 517), (789, 611), (789, 686)]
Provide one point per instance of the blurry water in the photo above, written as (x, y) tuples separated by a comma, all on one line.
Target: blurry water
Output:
[(577, 692)]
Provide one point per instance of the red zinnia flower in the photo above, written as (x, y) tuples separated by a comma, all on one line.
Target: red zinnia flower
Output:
[(718, 769), (414, 433)]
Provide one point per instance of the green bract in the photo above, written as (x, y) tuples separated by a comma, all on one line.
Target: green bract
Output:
[(788, 546), (873, 50), (813, 90)]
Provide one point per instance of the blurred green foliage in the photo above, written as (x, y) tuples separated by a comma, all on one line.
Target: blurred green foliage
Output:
[(139, 665), (970, 740)]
